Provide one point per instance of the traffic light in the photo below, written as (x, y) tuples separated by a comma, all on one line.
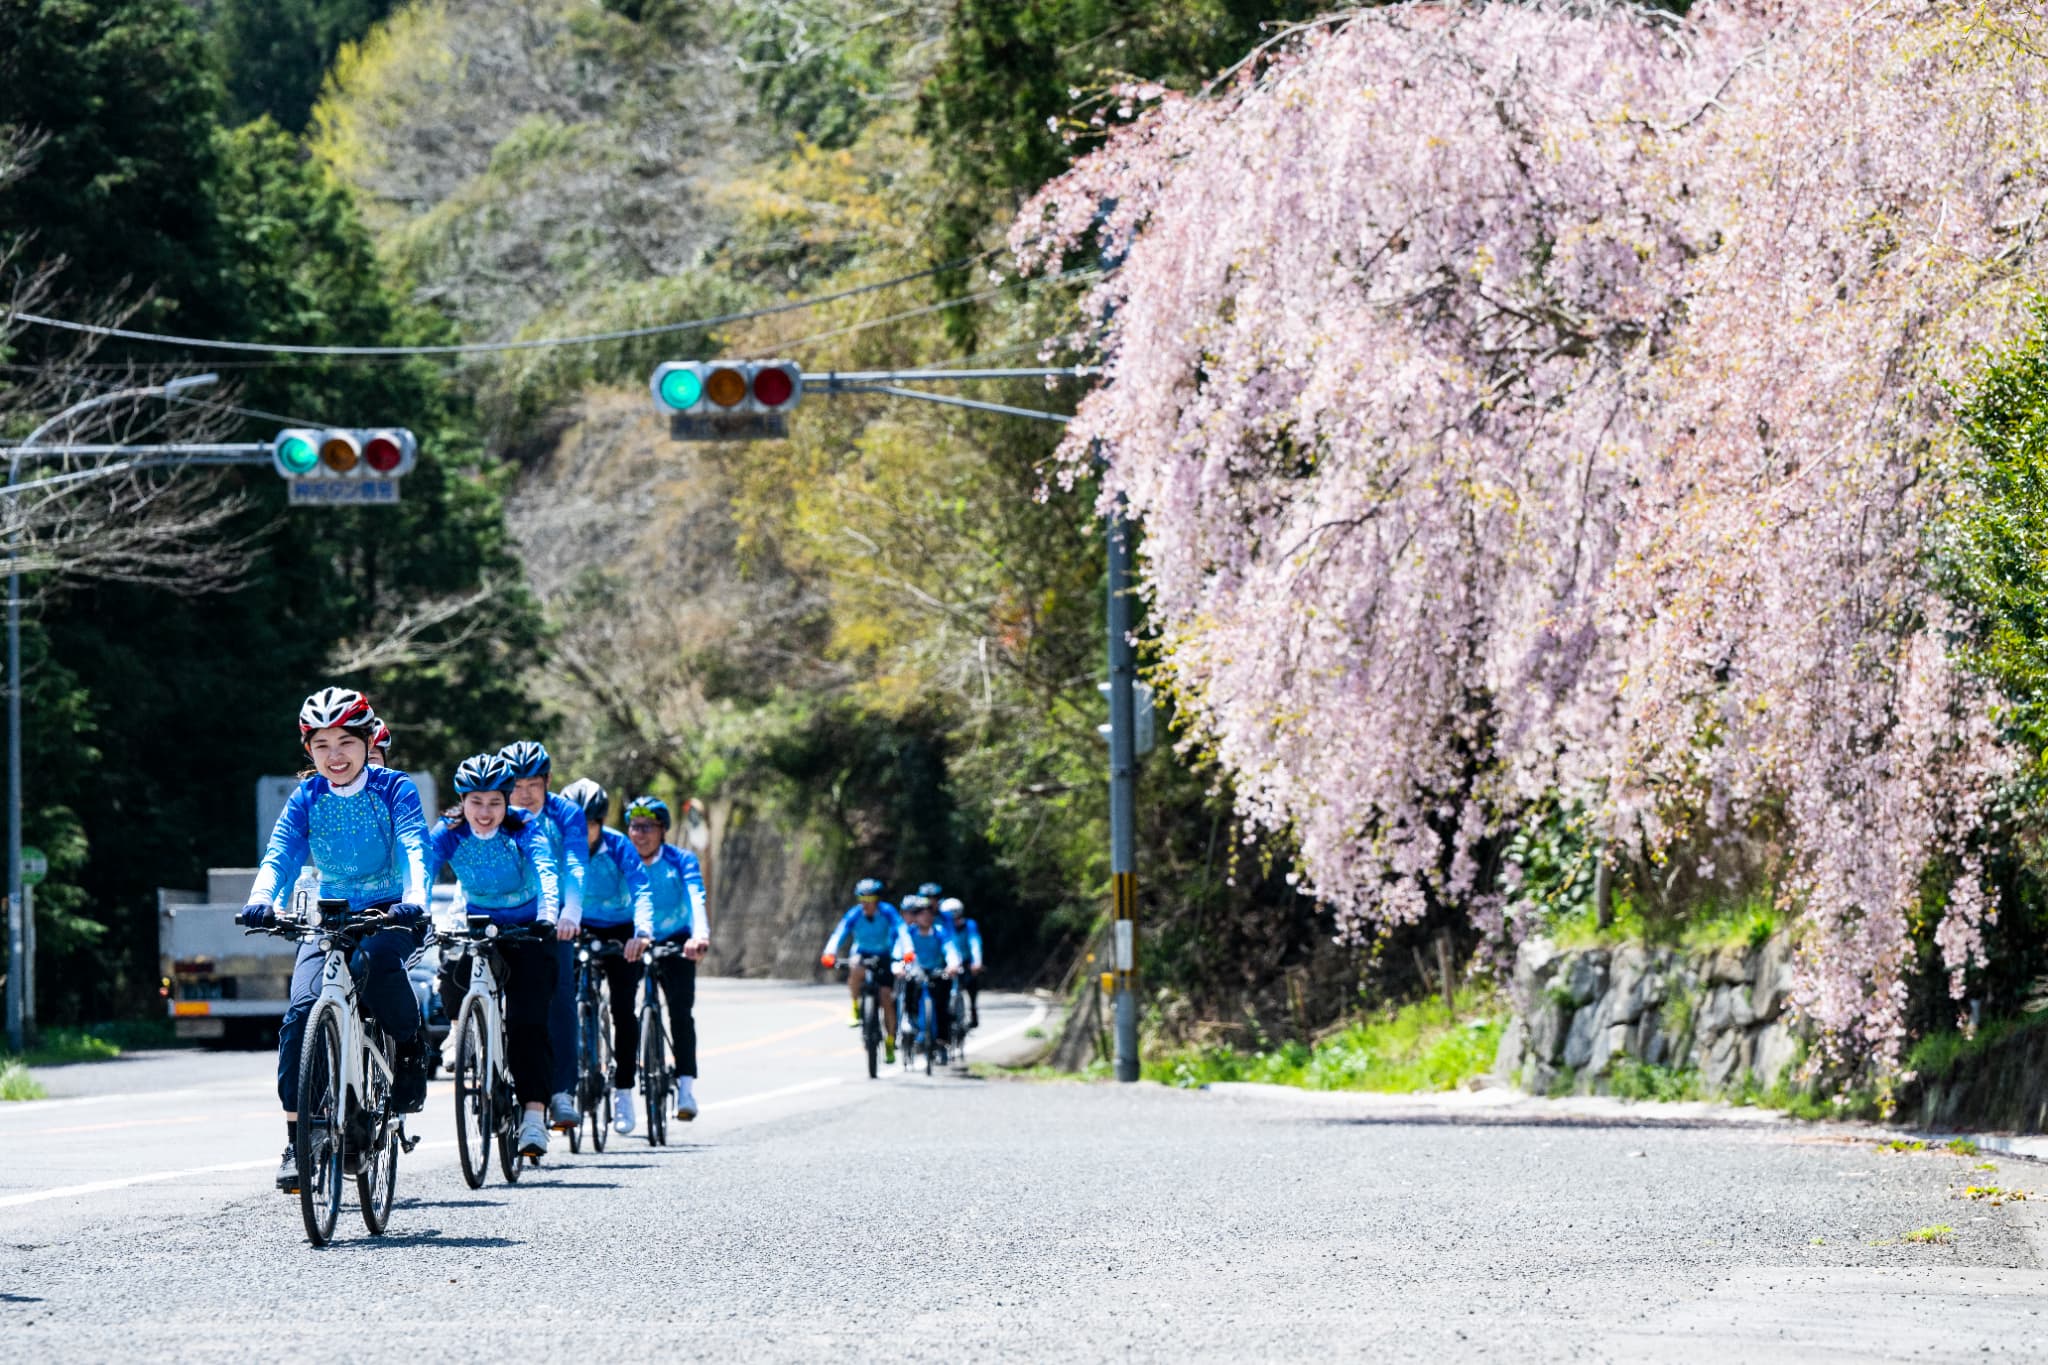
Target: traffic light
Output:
[(344, 465), (727, 400)]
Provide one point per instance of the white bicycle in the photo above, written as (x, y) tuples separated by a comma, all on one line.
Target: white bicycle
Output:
[(485, 1105), (347, 1125)]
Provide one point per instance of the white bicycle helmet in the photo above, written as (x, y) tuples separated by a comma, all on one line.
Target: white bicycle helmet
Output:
[(332, 706)]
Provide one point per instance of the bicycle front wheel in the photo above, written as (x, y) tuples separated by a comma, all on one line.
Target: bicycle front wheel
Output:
[(323, 1124), (474, 1123), (654, 1078), (928, 1029), (871, 1029)]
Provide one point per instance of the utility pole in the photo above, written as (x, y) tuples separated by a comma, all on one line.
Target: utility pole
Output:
[(1123, 776)]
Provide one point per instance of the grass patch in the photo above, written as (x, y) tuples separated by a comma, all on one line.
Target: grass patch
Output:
[(1996, 1195), (1903, 1145), (1960, 1147), (1634, 1080), (1985, 1166), (16, 1083), (1419, 1047), (1746, 923), (59, 1046), (1940, 1234)]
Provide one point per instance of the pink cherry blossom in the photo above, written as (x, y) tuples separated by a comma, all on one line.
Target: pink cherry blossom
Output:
[(1543, 398)]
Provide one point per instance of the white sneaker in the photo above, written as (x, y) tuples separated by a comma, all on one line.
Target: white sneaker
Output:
[(622, 1111), (565, 1113), (533, 1135), (686, 1103)]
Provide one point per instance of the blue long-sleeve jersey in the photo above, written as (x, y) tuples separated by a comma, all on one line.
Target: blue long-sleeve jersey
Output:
[(368, 843), (564, 825), (935, 951), (677, 883), (878, 936), (616, 887), (967, 934), (511, 877)]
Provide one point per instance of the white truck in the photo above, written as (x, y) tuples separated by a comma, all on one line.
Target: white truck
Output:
[(225, 986)]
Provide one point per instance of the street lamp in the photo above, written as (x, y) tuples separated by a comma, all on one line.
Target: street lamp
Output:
[(17, 973)]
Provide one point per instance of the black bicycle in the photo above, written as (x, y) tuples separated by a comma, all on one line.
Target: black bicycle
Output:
[(918, 1018), (347, 1123), (875, 972), (956, 1052), (657, 1067), (485, 1105), (593, 1042)]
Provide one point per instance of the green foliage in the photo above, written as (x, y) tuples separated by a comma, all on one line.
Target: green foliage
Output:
[(16, 1083), (1419, 1047), (60, 1046), (274, 53), (1630, 1079)]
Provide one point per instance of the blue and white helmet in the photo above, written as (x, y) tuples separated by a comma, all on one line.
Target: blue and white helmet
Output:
[(595, 801), (952, 907), (868, 886), (931, 891), (528, 758), (913, 904), (483, 773)]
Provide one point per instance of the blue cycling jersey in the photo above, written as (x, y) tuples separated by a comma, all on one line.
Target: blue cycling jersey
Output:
[(677, 884), (967, 934), (934, 949), (615, 886), (510, 877), (367, 841), (565, 827), (876, 935)]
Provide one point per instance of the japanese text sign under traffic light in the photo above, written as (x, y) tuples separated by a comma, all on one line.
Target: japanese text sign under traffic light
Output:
[(728, 400), (343, 466)]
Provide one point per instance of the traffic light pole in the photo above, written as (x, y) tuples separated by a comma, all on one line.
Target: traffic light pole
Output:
[(1123, 756), (18, 1005)]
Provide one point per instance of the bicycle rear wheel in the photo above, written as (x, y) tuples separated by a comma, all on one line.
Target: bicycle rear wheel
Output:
[(474, 1123), (508, 1111), (323, 1124), (377, 1182)]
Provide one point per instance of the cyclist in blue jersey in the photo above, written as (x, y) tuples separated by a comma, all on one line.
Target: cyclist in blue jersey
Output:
[(967, 937), (928, 943), (677, 883), (618, 907), (507, 872), (871, 928), (364, 833), (561, 823)]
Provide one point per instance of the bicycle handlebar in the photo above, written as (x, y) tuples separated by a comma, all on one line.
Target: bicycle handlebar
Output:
[(292, 926), (483, 929)]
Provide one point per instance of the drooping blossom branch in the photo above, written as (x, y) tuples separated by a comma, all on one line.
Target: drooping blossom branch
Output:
[(1525, 400)]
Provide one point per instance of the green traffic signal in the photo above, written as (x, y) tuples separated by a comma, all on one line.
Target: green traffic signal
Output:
[(680, 389), (297, 454)]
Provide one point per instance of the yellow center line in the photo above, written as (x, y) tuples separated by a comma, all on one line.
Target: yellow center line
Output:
[(829, 1015)]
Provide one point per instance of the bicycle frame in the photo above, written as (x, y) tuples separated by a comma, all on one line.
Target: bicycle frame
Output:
[(490, 998)]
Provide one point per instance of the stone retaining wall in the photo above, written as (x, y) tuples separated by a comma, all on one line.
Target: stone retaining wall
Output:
[(1721, 1014)]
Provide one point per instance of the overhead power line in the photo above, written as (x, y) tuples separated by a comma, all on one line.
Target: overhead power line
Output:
[(489, 347)]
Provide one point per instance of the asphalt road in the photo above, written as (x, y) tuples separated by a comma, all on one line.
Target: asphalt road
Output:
[(813, 1215)]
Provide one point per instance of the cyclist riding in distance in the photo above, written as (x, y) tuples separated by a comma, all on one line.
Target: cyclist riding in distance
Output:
[(928, 943), (507, 872), (967, 937), (679, 914), (871, 928), (365, 835), (618, 907), (561, 822)]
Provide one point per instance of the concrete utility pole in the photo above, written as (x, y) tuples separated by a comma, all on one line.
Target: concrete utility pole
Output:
[(1123, 781)]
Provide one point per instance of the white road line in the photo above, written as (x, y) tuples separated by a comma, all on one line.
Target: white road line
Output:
[(763, 1096), (1031, 1021), (157, 1177)]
